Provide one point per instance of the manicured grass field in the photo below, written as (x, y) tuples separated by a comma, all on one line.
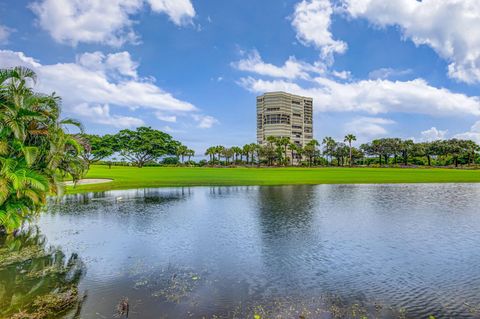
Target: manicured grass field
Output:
[(132, 177)]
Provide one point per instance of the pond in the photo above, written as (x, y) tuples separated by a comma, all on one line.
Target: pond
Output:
[(326, 251)]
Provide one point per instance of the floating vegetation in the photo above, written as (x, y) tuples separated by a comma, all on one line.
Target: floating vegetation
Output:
[(169, 284), (36, 281), (176, 285)]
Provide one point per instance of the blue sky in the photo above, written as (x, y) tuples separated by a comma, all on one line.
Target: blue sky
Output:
[(401, 68)]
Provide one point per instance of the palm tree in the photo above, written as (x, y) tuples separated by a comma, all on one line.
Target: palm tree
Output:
[(284, 142), (295, 150), (182, 152), (246, 149), (311, 151), (227, 153), (329, 147), (253, 148), (236, 151), (349, 138), (219, 150), (36, 152), (211, 152), (189, 153)]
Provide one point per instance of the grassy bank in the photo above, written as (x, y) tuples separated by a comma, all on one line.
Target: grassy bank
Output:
[(132, 177)]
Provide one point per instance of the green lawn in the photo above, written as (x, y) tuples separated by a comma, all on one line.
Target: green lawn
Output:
[(132, 177)]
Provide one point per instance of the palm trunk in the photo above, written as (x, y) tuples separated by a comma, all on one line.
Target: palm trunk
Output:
[(350, 144)]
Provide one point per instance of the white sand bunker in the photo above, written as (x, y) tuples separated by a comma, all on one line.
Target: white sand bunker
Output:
[(88, 181)]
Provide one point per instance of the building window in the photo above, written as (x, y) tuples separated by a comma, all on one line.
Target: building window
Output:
[(276, 119)]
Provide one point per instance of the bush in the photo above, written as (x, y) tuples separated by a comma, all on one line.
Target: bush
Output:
[(170, 161)]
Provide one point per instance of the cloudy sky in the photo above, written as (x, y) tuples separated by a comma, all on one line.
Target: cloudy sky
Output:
[(400, 68)]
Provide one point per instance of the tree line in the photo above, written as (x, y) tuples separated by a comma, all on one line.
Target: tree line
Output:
[(146, 146), (280, 151)]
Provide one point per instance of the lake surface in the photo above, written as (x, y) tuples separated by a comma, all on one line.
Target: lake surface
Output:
[(406, 251)]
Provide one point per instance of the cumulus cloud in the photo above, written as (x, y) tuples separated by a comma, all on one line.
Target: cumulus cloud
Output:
[(473, 134), (4, 34), (450, 27), (107, 22), (120, 64), (369, 126), (166, 117), (433, 134), (375, 96), (204, 121), (180, 12), (292, 69), (101, 114), (97, 80), (343, 75), (388, 73), (312, 20)]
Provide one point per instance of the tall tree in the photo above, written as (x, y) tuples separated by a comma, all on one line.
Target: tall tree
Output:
[(95, 147), (211, 152), (329, 143), (144, 145), (311, 151), (295, 151), (349, 138), (181, 152), (283, 143)]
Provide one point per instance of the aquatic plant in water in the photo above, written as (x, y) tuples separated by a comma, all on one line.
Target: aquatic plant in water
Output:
[(37, 281)]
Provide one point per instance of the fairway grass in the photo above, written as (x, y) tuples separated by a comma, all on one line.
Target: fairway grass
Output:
[(147, 177)]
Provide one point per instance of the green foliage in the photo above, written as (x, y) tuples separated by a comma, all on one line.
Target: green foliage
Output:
[(35, 151), (144, 145), (95, 147), (36, 281)]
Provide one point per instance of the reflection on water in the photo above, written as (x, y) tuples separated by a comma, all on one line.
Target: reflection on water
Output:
[(37, 282), (329, 251)]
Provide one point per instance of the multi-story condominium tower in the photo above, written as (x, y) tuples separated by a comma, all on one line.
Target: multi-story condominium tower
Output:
[(282, 114)]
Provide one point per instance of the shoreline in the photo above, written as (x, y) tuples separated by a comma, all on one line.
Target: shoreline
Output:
[(123, 178)]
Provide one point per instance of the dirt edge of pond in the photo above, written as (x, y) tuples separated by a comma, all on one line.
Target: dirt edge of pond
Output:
[(88, 181)]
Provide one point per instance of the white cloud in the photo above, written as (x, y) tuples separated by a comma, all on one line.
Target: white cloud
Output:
[(4, 34), (473, 134), (98, 79), (343, 75), (388, 73), (292, 69), (101, 114), (204, 121), (312, 20), (369, 126), (450, 27), (375, 96), (180, 12), (115, 64), (166, 118), (433, 134), (97, 21)]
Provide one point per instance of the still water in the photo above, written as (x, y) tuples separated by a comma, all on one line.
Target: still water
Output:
[(391, 251)]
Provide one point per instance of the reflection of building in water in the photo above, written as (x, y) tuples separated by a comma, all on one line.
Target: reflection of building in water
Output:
[(289, 233), (286, 209)]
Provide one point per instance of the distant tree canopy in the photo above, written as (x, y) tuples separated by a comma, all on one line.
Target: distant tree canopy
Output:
[(453, 149), (384, 151), (95, 147), (144, 145)]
